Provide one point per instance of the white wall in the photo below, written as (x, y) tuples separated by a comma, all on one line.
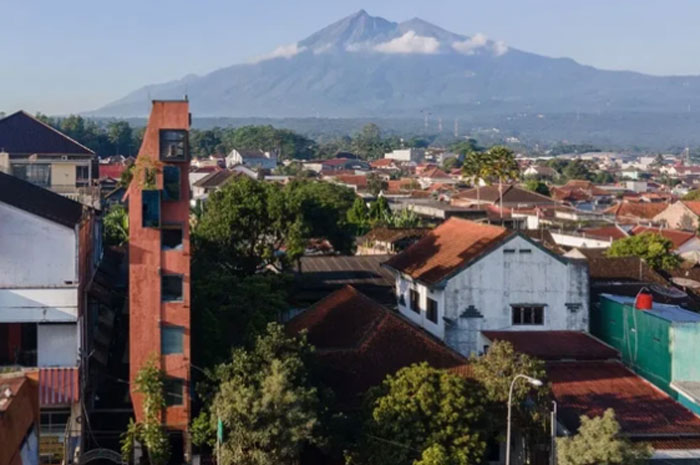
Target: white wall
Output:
[(35, 251), (34, 305), (57, 345), (580, 242), (495, 282)]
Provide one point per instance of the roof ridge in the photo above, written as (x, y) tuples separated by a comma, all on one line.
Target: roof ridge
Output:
[(51, 128)]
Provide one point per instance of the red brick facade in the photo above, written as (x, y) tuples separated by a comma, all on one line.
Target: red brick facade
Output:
[(148, 261)]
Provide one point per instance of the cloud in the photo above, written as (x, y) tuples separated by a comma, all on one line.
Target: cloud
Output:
[(500, 48), (283, 51), (479, 41), (410, 42), (471, 45), (322, 49)]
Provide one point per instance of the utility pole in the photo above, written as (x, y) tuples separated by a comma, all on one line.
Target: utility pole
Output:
[(440, 125), (456, 128)]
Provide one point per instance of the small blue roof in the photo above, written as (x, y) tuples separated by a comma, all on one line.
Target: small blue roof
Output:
[(672, 313)]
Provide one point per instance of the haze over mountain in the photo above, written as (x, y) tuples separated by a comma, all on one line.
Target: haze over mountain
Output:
[(365, 66)]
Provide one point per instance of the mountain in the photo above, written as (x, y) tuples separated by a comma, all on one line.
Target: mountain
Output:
[(366, 66)]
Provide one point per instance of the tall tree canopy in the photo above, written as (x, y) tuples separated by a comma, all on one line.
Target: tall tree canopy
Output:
[(422, 416), (655, 249)]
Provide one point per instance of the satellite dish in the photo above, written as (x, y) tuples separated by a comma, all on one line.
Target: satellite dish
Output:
[(685, 282), (670, 292)]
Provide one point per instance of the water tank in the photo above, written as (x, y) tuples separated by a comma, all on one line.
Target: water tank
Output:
[(644, 300)]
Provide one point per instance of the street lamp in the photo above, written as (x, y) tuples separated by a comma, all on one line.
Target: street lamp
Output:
[(535, 382)]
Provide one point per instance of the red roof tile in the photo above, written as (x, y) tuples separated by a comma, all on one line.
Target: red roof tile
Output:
[(359, 342), (555, 345), (58, 386), (676, 236), (589, 388), (637, 210), (353, 180), (693, 205), (112, 170), (605, 232), (446, 249)]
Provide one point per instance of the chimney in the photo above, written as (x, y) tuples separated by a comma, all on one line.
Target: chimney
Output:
[(4, 162), (644, 300)]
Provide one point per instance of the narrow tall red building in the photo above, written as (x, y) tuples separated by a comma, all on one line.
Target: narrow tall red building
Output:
[(159, 263)]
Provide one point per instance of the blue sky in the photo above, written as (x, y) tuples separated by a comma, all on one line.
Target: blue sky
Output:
[(75, 55)]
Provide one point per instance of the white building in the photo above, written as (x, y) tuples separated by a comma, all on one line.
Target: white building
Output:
[(256, 159), (415, 155), (465, 277)]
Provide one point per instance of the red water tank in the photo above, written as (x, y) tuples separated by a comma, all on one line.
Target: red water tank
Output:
[(644, 300)]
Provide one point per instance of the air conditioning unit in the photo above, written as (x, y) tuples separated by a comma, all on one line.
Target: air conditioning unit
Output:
[(64, 157)]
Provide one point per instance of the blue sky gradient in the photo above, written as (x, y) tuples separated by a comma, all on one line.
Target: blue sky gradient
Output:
[(68, 56)]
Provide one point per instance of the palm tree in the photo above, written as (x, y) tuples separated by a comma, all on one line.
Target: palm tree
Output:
[(473, 167), (499, 162)]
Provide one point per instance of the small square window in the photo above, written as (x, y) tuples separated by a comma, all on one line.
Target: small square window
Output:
[(150, 213), (414, 296), (525, 251), (173, 145), (527, 315), (171, 238), (432, 311), (174, 391), (508, 250), (172, 339), (171, 182), (171, 288)]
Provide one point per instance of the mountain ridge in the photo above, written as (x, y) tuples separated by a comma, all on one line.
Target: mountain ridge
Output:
[(365, 66)]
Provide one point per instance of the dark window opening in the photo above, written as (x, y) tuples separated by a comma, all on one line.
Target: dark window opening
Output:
[(173, 145), (172, 339), (82, 176), (171, 288), (171, 183), (432, 311), (53, 422), (525, 251), (413, 297), (39, 174), (150, 212), (171, 238), (174, 391), (528, 315), (508, 250)]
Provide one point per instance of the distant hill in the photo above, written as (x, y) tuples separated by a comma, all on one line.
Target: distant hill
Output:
[(365, 66)]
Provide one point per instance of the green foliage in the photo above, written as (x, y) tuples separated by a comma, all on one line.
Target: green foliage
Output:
[(599, 442), (404, 218), (495, 371), (116, 225), (692, 195), (655, 249), (376, 184), (266, 403), (151, 432), (499, 163), (451, 163), (368, 142), (463, 147), (379, 212), (537, 186), (422, 415), (358, 216)]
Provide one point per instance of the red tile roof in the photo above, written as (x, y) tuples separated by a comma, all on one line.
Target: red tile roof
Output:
[(605, 232), (359, 342), (382, 163), (446, 249), (589, 388), (434, 173), (637, 210), (693, 205), (555, 345), (676, 236), (353, 180), (112, 170)]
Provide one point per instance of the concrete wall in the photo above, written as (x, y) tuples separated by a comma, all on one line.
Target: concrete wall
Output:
[(495, 282), (62, 174), (57, 345), (35, 251), (571, 240), (677, 216), (685, 347), (27, 305)]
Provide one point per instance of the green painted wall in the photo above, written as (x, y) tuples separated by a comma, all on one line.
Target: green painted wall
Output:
[(642, 339), (686, 352)]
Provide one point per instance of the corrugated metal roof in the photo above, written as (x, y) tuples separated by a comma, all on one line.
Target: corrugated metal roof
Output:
[(668, 312), (58, 386), (556, 345)]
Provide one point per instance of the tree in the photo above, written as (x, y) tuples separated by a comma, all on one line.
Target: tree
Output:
[(151, 431), (495, 371), (404, 218), (423, 416), (368, 142), (451, 163), (376, 184), (692, 195), (358, 216), (598, 441), (474, 167), (116, 225), (120, 135), (267, 405), (537, 186), (500, 163), (577, 169), (379, 212), (464, 147), (656, 250)]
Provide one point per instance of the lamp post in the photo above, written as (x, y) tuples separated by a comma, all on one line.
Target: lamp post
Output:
[(535, 382)]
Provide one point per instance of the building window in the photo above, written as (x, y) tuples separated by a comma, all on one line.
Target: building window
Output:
[(432, 310), (150, 213), (413, 297), (508, 250), (528, 314), (525, 250), (171, 288), (172, 339), (82, 175), (36, 173), (174, 391), (171, 238), (173, 145), (53, 422), (171, 182)]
